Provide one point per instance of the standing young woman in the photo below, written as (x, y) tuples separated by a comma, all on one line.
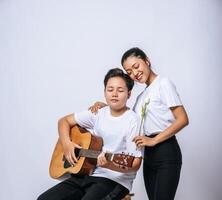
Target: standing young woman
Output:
[(165, 116)]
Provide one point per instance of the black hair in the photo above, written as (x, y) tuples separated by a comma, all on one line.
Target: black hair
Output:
[(117, 72), (135, 51)]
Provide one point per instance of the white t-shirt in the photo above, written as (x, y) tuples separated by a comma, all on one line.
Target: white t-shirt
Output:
[(117, 134), (162, 95)]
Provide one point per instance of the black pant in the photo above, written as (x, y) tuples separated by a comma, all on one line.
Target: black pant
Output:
[(161, 169), (85, 188)]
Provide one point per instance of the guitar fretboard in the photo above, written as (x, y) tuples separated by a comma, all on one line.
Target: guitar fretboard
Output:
[(93, 154)]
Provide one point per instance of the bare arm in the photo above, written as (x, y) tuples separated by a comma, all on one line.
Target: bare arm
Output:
[(96, 106), (181, 120), (64, 126)]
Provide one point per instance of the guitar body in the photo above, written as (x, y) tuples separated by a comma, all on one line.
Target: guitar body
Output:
[(84, 165)]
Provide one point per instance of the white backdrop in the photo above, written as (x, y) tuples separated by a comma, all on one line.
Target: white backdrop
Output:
[(54, 55)]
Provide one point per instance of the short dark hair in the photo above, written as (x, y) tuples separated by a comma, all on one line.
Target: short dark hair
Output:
[(135, 51), (117, 72)]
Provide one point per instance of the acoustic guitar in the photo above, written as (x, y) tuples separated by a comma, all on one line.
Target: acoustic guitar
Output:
[(86, 156)]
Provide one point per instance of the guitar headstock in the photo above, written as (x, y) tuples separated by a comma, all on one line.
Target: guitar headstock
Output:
[(123, 160)]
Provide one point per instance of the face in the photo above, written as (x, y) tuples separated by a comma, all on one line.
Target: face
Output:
[(116, 93), (137, 69)]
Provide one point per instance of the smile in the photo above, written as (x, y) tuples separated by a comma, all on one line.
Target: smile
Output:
[(139, 76)]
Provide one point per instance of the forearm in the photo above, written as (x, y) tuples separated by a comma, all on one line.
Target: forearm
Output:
[(135, 166), (63, 129), (169, 132), (174, 128), (64, 126)]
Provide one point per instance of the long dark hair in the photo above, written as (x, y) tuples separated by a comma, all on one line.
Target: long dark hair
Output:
[(137, 52)]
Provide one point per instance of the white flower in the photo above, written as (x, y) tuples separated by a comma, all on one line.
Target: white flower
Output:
[(143, 113)]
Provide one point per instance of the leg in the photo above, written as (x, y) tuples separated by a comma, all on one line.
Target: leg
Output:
[(167, 181), (65, 190), (149, 175), (118, 193), (162, 164), (102, 187)]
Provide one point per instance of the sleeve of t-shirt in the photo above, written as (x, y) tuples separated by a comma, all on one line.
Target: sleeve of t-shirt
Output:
[(130, 145), (168, 93), (85, 119)]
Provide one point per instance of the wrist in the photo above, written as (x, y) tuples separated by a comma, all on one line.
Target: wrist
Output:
[(65, 142), (156, 140)]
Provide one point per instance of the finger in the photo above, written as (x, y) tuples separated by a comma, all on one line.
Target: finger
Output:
[(99, 162), (71, 162), (104, 159), (90, 108), (98, 106), (78, 146), (73, 157), (139, 143), (94, 110), (137, 138)]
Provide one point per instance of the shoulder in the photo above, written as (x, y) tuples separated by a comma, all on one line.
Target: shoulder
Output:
[(166, 83), (132, 116), (88, 113), (165, 80), (103, 110), (85, 114)]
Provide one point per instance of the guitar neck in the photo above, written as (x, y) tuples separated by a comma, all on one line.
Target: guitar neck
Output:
[(94, 154)]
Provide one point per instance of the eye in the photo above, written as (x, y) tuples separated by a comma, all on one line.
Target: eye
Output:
[(129, 73), (109, 89), (121, 89), (136, 66)]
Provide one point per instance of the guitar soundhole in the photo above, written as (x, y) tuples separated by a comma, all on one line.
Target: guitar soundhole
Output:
[(66, 163), (76, 151)]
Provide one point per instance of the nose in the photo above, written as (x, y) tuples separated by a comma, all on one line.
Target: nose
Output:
[(114, 94), (134, 72)]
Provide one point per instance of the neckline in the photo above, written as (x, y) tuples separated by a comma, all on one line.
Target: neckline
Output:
[(152, 83), (117, 117)]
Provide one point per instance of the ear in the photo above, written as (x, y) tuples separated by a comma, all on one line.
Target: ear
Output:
[(148, 62), (129, 94)]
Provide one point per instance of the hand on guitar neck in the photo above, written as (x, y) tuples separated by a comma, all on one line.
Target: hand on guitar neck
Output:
[(117, 164), (102, 161)]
